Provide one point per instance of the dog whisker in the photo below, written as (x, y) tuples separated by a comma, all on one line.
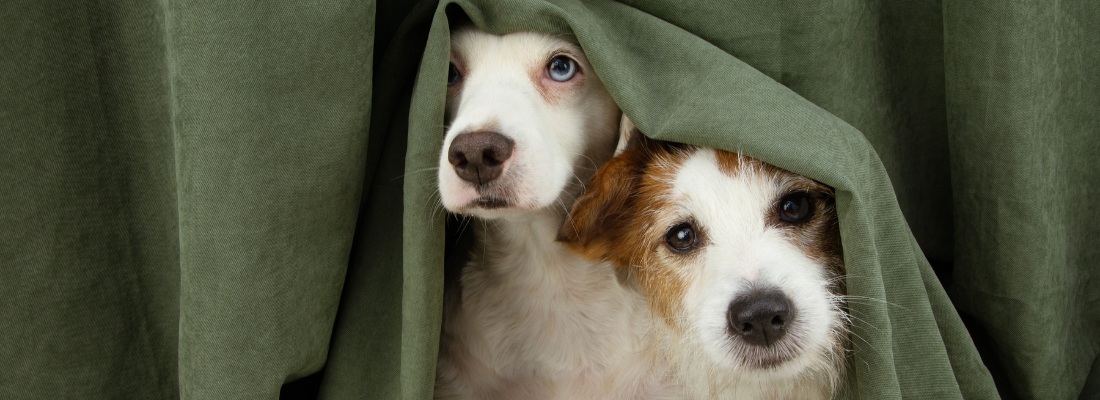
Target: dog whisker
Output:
[(417, 172), (872, 299), (851, 332), (864, 323)]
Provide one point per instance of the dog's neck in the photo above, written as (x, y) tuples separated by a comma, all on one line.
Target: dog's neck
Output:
[(536, 226), (527, 240), (568, 321)]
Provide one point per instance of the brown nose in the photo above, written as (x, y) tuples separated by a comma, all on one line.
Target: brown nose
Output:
[(478, 157)]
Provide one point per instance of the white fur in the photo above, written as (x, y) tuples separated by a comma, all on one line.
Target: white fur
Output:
[(744, 249), (556, 145), (536, 321)]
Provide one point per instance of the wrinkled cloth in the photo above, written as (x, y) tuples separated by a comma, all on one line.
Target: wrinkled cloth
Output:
[(214, 201)]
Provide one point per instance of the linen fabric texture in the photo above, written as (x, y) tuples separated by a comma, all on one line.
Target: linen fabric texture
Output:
[(237, 200)]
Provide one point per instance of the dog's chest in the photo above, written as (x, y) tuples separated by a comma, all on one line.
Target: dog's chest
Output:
[(556, 313), (553, 321)]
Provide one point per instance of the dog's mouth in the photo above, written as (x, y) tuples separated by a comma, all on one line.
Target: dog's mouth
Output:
[(769, 357), (489, 203)]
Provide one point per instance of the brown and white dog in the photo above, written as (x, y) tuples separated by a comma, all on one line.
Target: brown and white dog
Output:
[(529, 122), (740, 262)]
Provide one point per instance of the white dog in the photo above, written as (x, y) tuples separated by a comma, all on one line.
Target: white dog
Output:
[(529, 122), (739, 260)]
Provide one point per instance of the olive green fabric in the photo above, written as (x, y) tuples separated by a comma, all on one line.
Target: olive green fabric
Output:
[(878, 67), (676, 86), (191, 205), (180, 184), (1023, 91)]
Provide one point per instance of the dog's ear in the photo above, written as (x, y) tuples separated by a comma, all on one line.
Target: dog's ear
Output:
[(629, 137), (626, 131), (597, 217), (597, 220)]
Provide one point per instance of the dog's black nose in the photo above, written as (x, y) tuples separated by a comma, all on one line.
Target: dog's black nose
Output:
[(478, 157), (760, 317)]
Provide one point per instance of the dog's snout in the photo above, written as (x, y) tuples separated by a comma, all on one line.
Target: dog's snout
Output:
[(478, 157), (760, 317)]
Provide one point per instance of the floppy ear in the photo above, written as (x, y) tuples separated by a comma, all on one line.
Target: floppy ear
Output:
[(598, 216)]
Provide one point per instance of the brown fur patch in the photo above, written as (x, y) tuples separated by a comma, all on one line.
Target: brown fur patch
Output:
[(626, 211), (630, 202), (621, 212), (729, 163), (818, 237)]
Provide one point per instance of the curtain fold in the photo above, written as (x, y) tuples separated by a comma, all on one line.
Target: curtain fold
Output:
[(212, 200), (1023, 91), (89, 251), (269, 112), (908, 341), (181, 184)]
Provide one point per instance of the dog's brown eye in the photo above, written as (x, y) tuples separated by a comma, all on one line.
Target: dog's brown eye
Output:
[(681, 237), (561, 68), (453, 76), (795, 207)]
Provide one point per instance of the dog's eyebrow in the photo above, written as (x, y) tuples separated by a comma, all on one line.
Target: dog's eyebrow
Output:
[(569, 50), (458, 57), (791, 182)]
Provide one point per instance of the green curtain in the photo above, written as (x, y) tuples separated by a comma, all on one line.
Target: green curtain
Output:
[(217, 200), (180, 185)]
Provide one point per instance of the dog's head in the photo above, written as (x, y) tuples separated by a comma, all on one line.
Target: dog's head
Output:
[(529, 122), (742, 260)]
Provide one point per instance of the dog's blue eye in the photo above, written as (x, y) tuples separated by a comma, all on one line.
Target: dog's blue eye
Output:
[(681, 237), (795, 207), (561, 68), (453, 76)]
